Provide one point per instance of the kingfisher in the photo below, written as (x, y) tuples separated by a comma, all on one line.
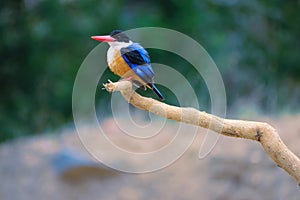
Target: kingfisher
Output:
[(129, 60)]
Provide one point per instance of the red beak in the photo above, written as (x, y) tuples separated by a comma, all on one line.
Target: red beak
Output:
[(104, 38)]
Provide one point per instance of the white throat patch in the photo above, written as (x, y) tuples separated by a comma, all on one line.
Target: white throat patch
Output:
[(114, 48)]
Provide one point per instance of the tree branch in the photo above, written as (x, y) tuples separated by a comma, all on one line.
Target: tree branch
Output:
[(258, 131)]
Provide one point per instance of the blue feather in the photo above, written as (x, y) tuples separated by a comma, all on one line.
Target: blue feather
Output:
[(139, 61)]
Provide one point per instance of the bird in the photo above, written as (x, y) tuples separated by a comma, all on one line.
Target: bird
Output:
[(129, 60)]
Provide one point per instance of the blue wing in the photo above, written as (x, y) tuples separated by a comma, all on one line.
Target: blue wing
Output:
[(139, 61)]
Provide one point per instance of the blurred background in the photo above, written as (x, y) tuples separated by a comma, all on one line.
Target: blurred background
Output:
[(255, 45), (43, 43)]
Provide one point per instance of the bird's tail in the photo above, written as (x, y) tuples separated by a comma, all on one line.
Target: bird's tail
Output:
[(156, 91)]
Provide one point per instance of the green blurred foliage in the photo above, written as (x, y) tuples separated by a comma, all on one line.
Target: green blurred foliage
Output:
[(43, 42)]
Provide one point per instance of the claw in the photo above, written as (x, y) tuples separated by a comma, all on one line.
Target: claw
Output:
[(129, 78)]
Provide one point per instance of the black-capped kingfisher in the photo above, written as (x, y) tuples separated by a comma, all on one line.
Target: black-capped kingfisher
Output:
[(129, 60)]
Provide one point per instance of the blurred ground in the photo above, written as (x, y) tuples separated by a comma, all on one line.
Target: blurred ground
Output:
[(237, 169)]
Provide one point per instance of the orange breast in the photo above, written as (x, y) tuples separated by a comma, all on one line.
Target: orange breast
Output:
[(122, 69), (119, 66)]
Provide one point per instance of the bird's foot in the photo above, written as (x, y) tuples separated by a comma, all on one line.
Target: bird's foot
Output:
[(129, 78)]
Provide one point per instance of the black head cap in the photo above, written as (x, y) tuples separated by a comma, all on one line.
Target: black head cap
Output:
[(119, 36)]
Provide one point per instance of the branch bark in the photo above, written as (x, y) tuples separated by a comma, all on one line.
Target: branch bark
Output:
[(258, 131)]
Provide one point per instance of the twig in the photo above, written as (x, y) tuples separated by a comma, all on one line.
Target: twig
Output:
[(258, 131)]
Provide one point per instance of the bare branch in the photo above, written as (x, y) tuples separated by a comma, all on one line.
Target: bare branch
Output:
[(258, 131)]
